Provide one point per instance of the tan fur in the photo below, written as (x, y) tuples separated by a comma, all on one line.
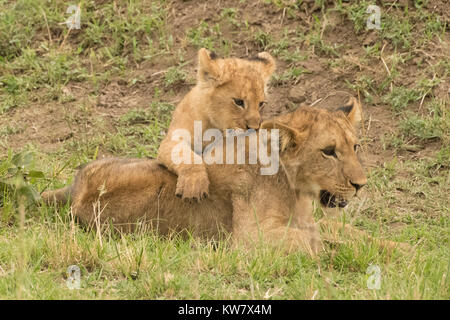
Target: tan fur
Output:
[(276, 209), (219, 81)]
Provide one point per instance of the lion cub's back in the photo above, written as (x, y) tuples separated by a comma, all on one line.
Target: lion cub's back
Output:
[(127, 191)]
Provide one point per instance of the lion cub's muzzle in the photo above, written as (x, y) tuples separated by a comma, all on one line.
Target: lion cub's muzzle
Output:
[(331, 201)]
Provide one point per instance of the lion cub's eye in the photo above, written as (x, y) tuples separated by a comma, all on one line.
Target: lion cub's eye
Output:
[(262, 104), (239, 102), (356, 147), (330, 151)]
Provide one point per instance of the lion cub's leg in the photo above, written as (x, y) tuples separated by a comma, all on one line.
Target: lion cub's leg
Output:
[(332, 230), (192, 182), (304, 217), (257, 222), (59, 196)]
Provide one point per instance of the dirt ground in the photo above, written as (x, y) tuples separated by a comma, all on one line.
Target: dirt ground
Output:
[(46, 125)]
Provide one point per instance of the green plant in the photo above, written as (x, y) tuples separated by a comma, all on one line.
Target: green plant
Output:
[(436, 125), (262, 39), (17, 178), (174, 75), (231, 15), (400, 97), (289, 76), (202, 36)]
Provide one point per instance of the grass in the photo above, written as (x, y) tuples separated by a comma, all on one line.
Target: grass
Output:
[(145, 266), (129, 49)]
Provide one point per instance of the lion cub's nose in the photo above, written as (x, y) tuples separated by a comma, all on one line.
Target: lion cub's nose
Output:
[(253, 124), (359, 185)]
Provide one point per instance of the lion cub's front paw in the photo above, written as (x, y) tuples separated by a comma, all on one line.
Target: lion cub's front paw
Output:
[(402, 246), (315, 240), (193, 185), (312, 242)]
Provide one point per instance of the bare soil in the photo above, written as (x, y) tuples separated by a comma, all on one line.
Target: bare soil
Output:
[(48, 125)]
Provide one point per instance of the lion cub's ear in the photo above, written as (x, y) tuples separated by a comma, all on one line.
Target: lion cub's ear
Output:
[(208, 68), (265, 64), (289, 137), (353, 111)]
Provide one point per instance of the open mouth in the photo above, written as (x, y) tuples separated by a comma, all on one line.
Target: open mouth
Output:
[(329, 200)]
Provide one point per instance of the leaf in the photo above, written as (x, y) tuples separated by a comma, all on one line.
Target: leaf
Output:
[(29, 193), (36, 174), (22, 159)]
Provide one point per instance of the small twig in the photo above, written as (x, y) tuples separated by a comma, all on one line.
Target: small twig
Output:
[(388, 71), (64, 40), (392, 5), (157, 73), (368, 125), (317, 101), (385, 66), (282, 17), (423, 98), (90, 63), (48, 28), (98, 210), (72, 225), (324, 25), (426, 93), (364, 132)]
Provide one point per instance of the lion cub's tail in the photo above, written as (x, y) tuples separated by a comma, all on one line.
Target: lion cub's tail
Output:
[(58, 196)]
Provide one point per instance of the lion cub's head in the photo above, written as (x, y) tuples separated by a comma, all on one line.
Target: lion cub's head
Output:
[(318, 151), (233, 90)]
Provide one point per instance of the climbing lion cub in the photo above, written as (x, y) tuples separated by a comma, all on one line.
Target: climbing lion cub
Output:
[(228, 95)]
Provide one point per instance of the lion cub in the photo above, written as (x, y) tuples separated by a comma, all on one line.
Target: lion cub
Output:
[(229, 94)]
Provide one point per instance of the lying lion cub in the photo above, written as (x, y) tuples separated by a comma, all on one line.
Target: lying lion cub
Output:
[(228, 95), (317, 160)]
